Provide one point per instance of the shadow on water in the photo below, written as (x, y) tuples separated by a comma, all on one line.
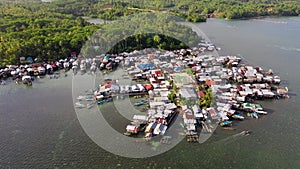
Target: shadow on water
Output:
[(292, 94), (113, 117)]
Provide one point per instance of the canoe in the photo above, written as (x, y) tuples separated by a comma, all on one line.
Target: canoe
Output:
[(138, 103), (238, 116), (254, 115), (262, 112), (225, 123)]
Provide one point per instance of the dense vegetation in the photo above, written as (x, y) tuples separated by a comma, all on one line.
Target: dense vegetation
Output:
[(148, 40), (39, 34), (192, 10), (143, 30), (53, 30)]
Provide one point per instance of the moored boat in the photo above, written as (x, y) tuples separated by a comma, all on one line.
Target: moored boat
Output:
[(261, 112), (246, 132), (225, 123), (139, 103), (254, 115), (27, 80), (79, 105), (238, 116)]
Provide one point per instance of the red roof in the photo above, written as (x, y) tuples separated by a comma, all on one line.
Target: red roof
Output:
[(212, 112), (158, 72), (148, 86), (210, 82), (201, 94)]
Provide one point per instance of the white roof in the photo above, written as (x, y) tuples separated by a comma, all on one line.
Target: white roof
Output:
[(155, 104), (140, 117), (170, 106), (130, 127)]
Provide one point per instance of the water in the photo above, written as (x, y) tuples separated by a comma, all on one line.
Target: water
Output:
[(39, 128)]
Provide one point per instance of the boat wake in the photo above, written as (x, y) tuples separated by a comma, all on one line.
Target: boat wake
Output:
[(234, 137), (270, 21), (287, 48)]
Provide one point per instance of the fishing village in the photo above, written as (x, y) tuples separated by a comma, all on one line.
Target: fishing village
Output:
[(202, 88), (195, 84)]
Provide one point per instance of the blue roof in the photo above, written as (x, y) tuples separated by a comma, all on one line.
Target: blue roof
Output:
[(146, 66), (178, 68), (29, 59)]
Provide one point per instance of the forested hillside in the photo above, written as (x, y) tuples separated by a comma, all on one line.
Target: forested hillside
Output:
[(51, 30)]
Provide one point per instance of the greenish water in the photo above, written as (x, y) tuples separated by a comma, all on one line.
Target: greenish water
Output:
[(39, 127)]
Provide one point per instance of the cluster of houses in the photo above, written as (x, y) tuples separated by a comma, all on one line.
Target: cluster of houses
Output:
[(27, 72), (199, 86), (246, 73), (160, 110)]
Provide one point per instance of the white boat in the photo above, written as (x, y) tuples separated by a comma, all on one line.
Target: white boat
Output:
[(238, 116), (79, 105), (80, 98), (27, 80), (210, 48), (261, 112), (254, 115)]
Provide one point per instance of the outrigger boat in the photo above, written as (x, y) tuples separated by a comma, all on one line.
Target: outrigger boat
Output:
[(138, 103), (246, 132), (79, 105), (225, 123), (254, 115), (261, 112), (238, 116)]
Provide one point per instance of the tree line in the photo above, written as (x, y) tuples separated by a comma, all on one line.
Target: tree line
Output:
[(53, 30), (38, 33)]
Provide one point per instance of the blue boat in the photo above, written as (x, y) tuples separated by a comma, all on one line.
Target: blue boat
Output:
[(109, 99), (254, 115), (100, 101), (225, 123), (139, 103), (238, 116)]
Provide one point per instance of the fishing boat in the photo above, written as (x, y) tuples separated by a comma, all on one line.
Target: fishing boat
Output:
[(79, 105), (246, 132), (89, 97), (139, 103), (254, 115), (238, 116), (27, 80), (80, 98), (261, 112), (100, 101), (210, 48), (228, 128), (225, 123)]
